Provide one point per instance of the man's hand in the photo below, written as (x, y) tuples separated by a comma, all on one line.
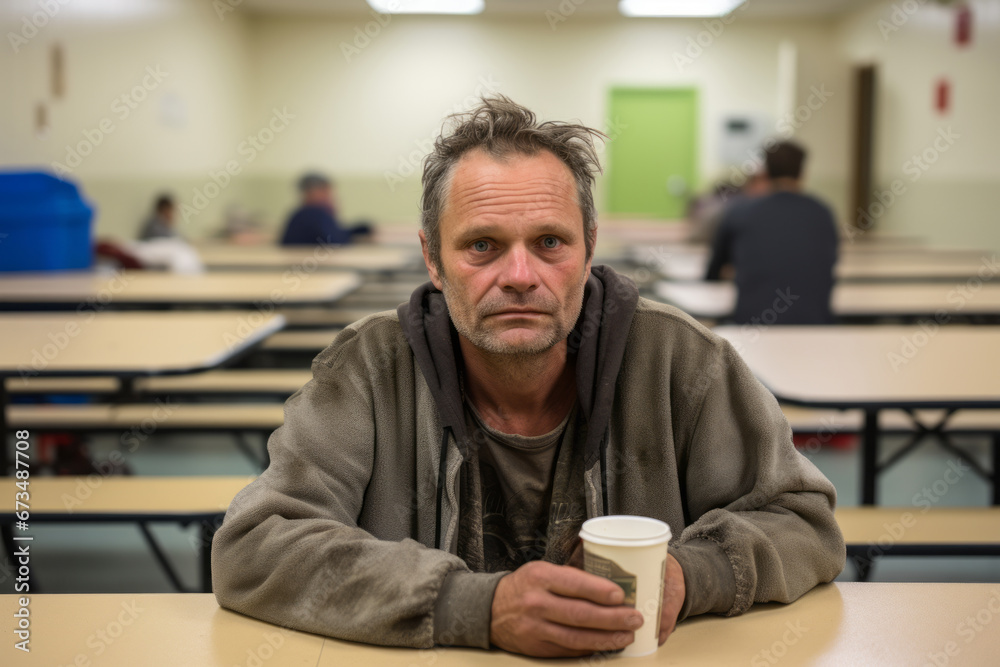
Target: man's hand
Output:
[(547, 610), (673, 590), (673, 597)]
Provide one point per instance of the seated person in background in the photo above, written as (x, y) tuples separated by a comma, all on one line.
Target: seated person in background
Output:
[(782, 246), (315, 221), (160, 224), (429, 483), (708, 210)]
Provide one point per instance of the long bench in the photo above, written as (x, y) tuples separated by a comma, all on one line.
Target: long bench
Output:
[(309, 341), (138, 421), (872, 532), (121, 499), (243, 382), (325, 318)]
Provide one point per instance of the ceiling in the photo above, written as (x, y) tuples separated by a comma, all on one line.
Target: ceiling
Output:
[(595, 8)]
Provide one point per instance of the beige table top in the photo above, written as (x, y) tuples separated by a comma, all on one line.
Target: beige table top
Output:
[(307, 259), (127, 343), (838, 624), (718, 299), (914, 525), (118, 494), (149, 287), (854, 365), (166, 630), (690, 263)]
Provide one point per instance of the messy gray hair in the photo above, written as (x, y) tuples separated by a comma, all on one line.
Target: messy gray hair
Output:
[(500, 127)]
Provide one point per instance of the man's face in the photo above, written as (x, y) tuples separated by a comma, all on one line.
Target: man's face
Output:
[(513, 258)]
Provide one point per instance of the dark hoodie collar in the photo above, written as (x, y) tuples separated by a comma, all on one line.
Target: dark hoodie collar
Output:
[(598, 340)]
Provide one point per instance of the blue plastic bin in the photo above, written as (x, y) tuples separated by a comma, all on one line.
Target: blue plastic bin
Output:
[(45, 224)]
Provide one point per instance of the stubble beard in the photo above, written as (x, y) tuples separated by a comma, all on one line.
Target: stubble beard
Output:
[(472, 324)]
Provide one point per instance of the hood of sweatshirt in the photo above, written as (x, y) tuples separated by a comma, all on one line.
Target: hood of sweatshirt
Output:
[(597, 340)]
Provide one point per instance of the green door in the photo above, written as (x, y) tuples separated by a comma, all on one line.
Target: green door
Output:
[(652, 157)]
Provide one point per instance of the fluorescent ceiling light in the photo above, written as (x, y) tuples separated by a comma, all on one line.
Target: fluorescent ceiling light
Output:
[(636, 8), (427, 6)]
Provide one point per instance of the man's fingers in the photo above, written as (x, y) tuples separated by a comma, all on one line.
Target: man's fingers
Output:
[(586, 641), (576, 613), (574, 583)]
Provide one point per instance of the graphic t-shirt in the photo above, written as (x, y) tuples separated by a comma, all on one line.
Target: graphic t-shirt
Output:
[(516, 474)]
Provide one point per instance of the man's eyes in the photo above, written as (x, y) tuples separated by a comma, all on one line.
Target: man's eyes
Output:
[(549, 243)]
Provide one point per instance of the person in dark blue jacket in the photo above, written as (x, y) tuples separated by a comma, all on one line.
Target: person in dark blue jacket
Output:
[(315, 221), (782, 246)]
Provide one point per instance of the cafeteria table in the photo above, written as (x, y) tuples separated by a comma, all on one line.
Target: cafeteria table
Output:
[(361, 258), (690, 264), (876, 368), (940, 302), (122, 345), (833, 625), (96, 291)]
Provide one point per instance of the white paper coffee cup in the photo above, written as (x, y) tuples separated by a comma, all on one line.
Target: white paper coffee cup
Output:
[(632, 552)]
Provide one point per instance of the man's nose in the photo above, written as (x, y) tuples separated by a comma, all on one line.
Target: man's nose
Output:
[(518, 273)]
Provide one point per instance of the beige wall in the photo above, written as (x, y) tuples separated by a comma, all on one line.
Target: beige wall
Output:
[(168, 132), (954, 198), (368, 116)]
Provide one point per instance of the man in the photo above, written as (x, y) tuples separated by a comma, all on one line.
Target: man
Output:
[(160, 225), (315, 221), (429, 483), (782, 246)]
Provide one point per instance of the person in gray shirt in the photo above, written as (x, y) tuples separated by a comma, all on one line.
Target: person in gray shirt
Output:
[(160, 224)]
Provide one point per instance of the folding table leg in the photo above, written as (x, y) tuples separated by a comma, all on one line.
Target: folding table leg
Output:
[(869, 458), (996, 468)]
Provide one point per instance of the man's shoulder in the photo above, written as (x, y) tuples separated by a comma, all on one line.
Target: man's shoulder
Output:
[(666, 326), (376, 335)]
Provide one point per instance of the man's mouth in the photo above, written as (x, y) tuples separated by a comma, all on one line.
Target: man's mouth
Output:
[(519, 311)]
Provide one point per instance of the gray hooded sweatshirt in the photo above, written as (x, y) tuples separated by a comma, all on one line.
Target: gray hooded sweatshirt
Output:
[(352, 531)]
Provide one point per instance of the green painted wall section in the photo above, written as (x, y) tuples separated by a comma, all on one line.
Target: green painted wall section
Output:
[(653, 150)]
